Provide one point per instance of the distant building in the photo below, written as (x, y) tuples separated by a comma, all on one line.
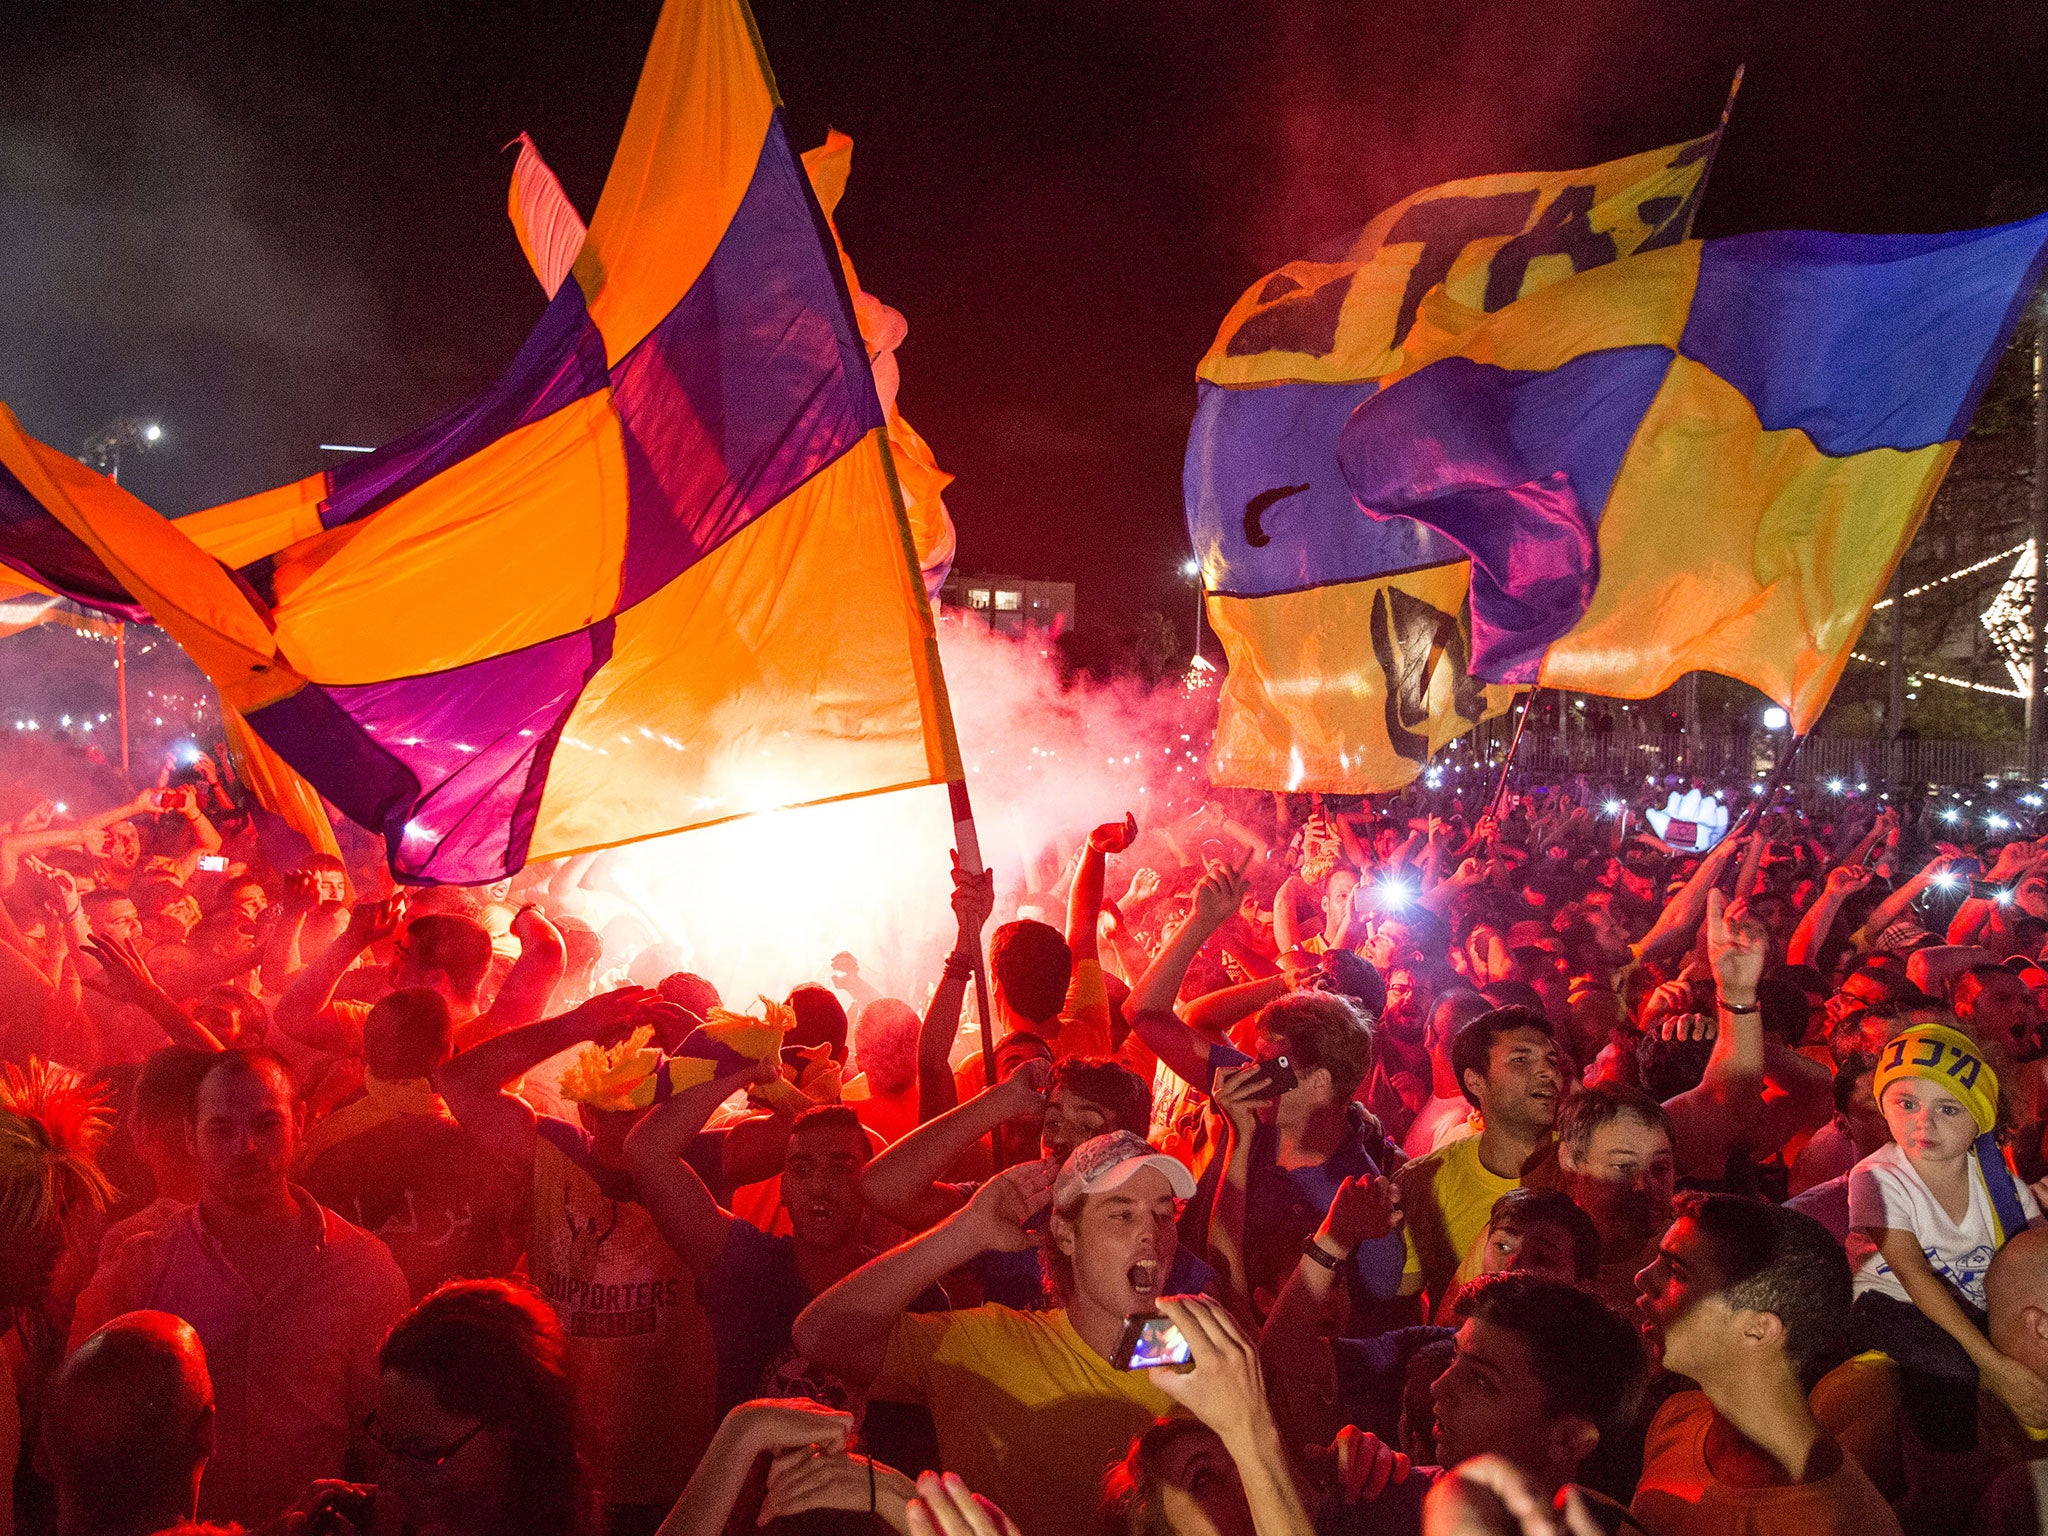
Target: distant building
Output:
[(1009, 605)]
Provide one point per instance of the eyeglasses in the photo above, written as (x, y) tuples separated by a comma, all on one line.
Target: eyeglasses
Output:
[(413, 1450)]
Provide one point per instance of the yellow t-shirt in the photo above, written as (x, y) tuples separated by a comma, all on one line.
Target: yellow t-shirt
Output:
[(1446, 1198), (1026, 1412)]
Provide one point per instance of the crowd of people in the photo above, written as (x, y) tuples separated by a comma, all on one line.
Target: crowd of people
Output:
[(1422, 1164)]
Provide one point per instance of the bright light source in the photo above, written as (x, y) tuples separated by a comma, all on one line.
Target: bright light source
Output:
[(1947, 881), (152, 432), (1951, 814), (60, 807), (1613, 807), (1393, 895), (1191, 569), (2003, 898), (1996, 823), (1775, 719), (418, 829), (1836, 786)]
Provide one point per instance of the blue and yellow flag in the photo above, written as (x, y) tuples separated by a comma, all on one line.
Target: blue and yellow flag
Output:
[(1702, 458), (1347, 636), (658, 575)]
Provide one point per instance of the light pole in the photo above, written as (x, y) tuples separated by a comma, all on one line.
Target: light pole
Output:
[(1191, 569), (102, 450)]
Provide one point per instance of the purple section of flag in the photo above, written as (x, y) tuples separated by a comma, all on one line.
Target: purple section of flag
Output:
[(1514, 468), (449, 767), (753, 383), (38, 546), (561, 362)]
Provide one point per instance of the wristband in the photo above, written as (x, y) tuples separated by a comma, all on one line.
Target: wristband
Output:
[(1737, 1008), (959, 967), (1311, 1249)]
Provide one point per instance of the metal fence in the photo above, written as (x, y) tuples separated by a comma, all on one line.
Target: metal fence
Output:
[(1856, 762)]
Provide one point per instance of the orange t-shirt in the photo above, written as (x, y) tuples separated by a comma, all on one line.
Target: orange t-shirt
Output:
[(1679, 1495)]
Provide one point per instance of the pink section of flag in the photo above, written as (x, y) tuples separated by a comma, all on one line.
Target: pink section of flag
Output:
[(550, 229)]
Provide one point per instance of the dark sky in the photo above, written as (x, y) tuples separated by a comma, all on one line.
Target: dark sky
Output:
[(281, 224)]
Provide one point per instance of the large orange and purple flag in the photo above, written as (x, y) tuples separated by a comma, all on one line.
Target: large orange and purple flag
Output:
[(658, 575)]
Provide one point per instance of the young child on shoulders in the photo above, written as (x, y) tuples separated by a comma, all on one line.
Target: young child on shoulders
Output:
[(1926, 1215)]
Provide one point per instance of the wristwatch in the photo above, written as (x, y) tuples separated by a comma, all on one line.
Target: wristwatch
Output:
[(1736, 1008), (1311, 1249)]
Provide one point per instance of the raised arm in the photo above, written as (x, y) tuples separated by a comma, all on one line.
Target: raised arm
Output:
[(184, 802), (1295, 1346), (1677, 924), (846, 1330), (1235, 1101), (1150, 1008), (974, 898), (1225, 1390), (474, 1083), (1084, 898), (127, 979), (305, 1012), (1893, 906), (530, 985), (686, 1213), (1811, 936), (902, 1181)]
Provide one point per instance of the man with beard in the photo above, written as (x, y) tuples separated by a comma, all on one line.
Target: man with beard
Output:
[(1748, 1300), (997, 1381), (753, 1286), (1509, 1070), (1446, 1114), (1402, 1074), (290, 1300)]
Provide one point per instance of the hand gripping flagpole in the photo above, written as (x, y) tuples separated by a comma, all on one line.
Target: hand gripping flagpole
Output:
[(968, 844)]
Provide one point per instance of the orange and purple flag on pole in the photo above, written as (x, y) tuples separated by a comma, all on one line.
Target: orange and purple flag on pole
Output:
[(657, 576)]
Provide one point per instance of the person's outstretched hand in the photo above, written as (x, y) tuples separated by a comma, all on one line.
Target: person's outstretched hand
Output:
[(127, 974), (946, 1506), (1000, 1209), (1361, 1210), (1737, 947), (1218, 895), (1114, 836), (1222, 1384), (372, 922), (611, 1016)]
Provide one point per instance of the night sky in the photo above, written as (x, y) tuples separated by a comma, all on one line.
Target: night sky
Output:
[(275, 225)]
